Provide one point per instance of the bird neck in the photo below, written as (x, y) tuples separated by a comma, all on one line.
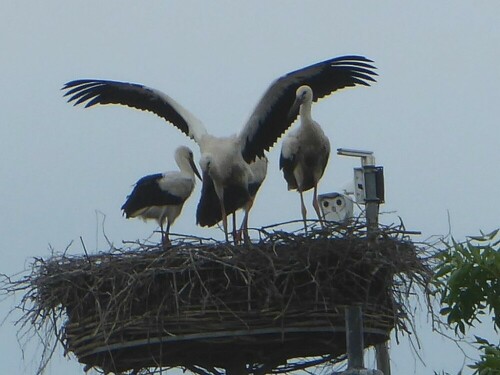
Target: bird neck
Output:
[(305, 112), (185, 167)]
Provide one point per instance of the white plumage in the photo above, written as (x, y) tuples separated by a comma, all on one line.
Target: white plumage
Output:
[(224, 160), (305, 153), (161, 196)]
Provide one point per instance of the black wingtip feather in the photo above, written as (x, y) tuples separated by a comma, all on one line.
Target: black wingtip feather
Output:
[(94, 92)]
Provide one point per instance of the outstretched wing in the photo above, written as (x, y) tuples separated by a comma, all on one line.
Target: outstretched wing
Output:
[(274, 114), (93, 92)]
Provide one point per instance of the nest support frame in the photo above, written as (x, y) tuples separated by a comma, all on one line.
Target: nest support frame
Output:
[(249, 351)]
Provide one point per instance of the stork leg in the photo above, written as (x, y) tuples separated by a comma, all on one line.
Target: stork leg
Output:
[(219, 190), (244, 224), (224, 219), (162, 232), (304, 211), (165, 238), (236, 234), (316, 205)]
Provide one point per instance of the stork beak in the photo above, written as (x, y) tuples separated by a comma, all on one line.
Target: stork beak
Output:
[(294, 109), (193, 167)]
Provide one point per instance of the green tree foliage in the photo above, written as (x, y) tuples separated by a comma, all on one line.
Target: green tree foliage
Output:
[(489, 364), (468, 279)]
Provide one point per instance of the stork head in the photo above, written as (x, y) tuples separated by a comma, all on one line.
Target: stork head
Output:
[(303, 94), (185, 160)]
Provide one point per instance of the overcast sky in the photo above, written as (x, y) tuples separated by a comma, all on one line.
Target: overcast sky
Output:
[(431, 119)]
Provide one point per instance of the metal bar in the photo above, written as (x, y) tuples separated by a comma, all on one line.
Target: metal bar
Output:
[(353, 152)]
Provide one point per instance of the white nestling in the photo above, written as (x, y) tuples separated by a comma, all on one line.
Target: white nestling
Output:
[(161, 196)]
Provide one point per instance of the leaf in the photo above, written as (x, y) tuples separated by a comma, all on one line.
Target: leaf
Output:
[(485, 237), (445, 310), (480, 340), (461, 327), (445, 269)]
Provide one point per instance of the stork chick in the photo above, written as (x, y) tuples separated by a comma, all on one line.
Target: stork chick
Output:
[(161, 196)]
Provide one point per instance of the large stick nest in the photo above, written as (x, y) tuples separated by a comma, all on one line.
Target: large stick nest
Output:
[(212, 305)]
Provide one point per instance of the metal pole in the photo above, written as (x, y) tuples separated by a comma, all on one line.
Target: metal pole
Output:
[(353, 314), (372, 218), (372, 202), (354, 336), (372, 211), (383, 360), (354, 343)]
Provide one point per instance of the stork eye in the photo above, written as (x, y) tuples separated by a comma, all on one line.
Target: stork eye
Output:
[(326, 204), (339, 202)]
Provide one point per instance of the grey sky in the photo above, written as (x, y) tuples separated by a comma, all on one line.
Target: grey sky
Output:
[(432, 118)]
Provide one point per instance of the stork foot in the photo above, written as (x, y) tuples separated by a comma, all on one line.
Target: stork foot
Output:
[(246, 237), (166, 244), (241, 236), (237, 237)]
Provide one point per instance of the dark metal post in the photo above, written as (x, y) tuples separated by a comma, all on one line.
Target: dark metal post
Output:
[(383, 360), (354, 336), (372, 210), (372, 201)]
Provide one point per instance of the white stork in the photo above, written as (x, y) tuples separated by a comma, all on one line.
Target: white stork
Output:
[(305, 153), (161, 196), (224, 160)]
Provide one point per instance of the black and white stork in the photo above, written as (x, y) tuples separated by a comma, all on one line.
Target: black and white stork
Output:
[(161, 196), (305, 153), (224, 160)]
